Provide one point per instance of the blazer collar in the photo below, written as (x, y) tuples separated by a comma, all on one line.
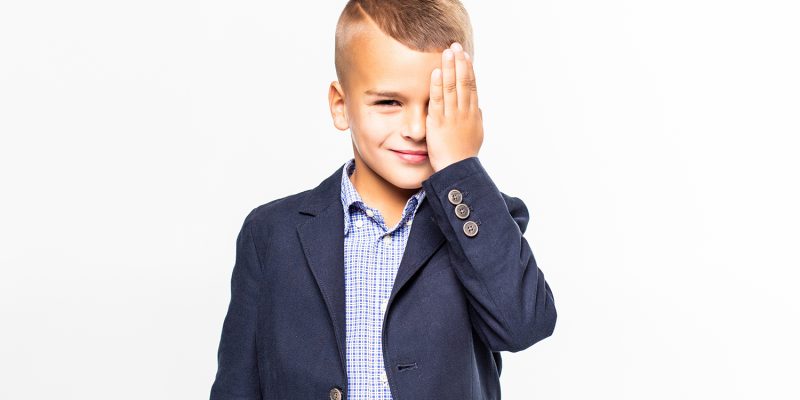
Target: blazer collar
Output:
[(321, 196), (322, 239)]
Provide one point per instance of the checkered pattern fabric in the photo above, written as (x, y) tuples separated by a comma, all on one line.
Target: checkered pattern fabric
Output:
[(372, 254)]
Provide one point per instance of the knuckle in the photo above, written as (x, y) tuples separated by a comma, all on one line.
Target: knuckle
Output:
[(469, 83), (450, 87)]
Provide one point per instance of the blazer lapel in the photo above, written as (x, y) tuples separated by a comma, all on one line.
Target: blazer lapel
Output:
[(423, 240), (322, 239)]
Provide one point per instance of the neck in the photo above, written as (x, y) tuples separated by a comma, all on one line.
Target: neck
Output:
[(377, 192)]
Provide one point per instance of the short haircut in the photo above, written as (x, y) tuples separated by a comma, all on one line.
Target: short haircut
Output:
[(421, 25)]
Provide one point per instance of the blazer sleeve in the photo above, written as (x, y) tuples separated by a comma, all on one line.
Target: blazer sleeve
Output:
[(511, 305), (237, 375)]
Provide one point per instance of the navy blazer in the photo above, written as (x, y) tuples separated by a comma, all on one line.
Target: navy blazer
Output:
[(457, 301)]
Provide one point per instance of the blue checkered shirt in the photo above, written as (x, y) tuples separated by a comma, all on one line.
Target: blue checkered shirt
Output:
[(372, 254)]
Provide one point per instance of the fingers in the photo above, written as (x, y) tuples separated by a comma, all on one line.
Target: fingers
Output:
[(449, 83), (453, 88), (473, 96), (464, 80), (436, 101)]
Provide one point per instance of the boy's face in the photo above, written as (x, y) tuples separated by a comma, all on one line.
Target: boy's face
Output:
[(385, 104)]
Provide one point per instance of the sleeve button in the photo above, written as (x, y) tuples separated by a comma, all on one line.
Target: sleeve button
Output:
[(454, 196), (470, 228), (462, 211)]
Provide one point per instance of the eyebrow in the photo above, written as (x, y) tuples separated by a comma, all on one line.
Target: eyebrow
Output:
[(383, 93)]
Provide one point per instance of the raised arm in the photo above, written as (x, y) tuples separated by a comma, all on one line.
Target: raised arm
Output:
[(511, 303)]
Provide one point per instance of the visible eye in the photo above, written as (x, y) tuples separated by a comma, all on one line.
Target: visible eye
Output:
[(387, 103)]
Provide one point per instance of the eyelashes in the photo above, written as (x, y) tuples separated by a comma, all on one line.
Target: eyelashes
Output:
[(392, 103)]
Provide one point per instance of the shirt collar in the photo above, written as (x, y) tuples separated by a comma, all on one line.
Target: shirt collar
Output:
[(351, 198)]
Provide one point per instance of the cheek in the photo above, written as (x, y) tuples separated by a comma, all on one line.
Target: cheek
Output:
[(373, 127)]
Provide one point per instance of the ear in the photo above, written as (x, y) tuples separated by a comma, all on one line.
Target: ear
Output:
[(338, 107)]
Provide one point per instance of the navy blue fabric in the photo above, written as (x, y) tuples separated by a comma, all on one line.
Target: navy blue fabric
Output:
[(457, 301)]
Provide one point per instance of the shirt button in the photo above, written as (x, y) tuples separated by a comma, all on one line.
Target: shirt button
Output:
[(359, 223), (408, 223), (384, 379), (370, 213), (387, 239)]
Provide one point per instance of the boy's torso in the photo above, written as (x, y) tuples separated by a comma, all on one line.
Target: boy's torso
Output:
[(429, 347)]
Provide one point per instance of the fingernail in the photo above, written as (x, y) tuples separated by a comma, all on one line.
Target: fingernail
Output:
[(437, 73), (466, 55), (448, 54), (456, 46)]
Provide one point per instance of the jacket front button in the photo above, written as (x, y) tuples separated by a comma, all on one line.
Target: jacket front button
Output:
[(336, 394)]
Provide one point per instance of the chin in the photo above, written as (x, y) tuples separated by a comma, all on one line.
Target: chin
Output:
[(402, 175), (407, 181)]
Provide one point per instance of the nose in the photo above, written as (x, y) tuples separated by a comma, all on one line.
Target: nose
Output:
[(415, 124)]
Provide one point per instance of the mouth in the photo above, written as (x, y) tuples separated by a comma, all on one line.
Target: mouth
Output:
[(412, 156)]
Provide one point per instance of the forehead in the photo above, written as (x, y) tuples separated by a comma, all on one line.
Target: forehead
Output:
[(380, 62)]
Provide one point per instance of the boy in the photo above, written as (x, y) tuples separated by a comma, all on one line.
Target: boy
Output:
[(335, 293)]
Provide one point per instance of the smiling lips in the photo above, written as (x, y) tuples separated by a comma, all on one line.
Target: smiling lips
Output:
[(412, 156)]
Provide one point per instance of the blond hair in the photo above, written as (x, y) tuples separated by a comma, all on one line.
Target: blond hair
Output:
[(421, 25)]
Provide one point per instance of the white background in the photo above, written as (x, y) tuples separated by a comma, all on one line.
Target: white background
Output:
[(654, 143)]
